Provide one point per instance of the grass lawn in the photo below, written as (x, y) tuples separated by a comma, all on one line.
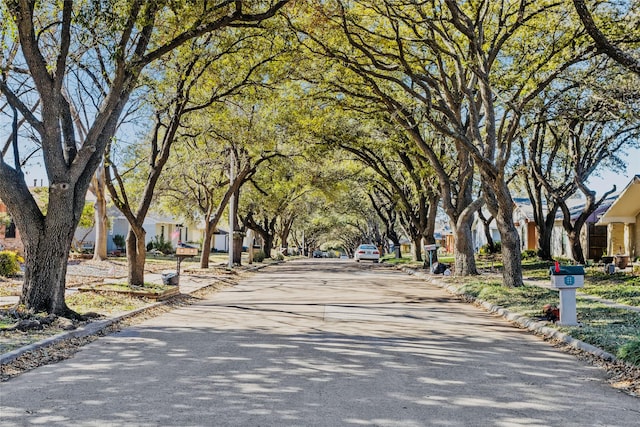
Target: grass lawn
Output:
[(614, 330)]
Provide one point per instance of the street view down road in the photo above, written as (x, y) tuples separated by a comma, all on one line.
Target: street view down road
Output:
[(320, 343)]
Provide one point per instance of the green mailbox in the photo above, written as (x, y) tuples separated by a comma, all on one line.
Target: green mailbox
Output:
[(568, 277)]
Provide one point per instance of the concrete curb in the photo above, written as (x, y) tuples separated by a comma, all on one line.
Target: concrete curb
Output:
[(90, 329), (524, 322), (93, 328)]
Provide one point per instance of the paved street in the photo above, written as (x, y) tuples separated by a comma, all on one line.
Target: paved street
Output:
[(319, 343)]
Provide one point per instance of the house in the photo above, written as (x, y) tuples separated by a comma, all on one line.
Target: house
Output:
[(524, 222), (522, 219), (622, 221), (593, 236), (159, 228), (9, 234)]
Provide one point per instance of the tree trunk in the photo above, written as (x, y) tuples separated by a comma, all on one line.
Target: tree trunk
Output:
[(46, 246), (417, 248), (206, 244), (237, 247), (576, 246), (486, 226), (45, 271), (511, 254), (101, 220), (465, 261), (397, 249), (136, 255), (500, 205), (284, 245), (545, 234), (267, 240)]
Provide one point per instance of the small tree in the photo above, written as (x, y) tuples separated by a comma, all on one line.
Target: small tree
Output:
[(9, 263), (119, 241)]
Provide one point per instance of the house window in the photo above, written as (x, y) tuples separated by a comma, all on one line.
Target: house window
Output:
[(162, 231), (10, 231)]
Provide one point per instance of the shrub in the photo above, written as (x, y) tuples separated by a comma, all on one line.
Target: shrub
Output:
[(486, 250), (119, 241), (630, 352), (259, 256), (529, 254), (280, 257), (9, 263), (162, 245)]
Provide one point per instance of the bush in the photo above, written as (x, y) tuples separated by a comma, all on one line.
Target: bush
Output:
[(485, 250), (161, 245), (529, 254), (630, 352), (280, 257), (259, 256), (119, 241), (9, 263)]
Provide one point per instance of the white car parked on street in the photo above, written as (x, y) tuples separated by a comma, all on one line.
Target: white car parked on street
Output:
[(367, 252)]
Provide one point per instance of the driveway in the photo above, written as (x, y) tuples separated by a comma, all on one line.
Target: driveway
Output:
[(320, 343)]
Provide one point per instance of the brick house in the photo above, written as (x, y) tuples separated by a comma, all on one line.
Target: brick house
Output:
[(9, 234)]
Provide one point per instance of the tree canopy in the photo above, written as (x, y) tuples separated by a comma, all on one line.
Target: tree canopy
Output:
[(383, 110)]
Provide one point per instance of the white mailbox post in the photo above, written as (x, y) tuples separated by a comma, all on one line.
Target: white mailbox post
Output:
[(567, 279), (429, 249), (182, 252)]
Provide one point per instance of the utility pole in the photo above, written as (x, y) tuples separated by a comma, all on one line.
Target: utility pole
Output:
[(232, 203)]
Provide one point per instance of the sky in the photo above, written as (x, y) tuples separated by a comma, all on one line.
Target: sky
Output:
[(609, 178)]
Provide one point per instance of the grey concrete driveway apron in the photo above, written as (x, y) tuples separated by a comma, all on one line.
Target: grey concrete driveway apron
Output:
[(320, 343)]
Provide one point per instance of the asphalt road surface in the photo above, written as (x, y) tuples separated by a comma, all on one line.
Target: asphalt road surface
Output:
[(320, 343)]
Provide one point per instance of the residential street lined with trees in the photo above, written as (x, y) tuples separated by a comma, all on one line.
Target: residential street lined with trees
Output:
[(430, 106), (316, 126), (304, 343)]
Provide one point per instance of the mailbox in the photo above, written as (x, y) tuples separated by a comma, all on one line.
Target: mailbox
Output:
[(182, 252), (568, 277), (186, 250)]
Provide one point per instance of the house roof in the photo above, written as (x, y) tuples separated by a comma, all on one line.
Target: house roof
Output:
[(576, 206), (626, 207), (524, 207)]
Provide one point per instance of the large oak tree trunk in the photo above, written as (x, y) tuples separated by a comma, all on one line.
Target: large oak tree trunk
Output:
[(267, 239), (397, 249), (416, 249), (206, 244), (46, 258), (47, 246), (511, 256), (545, 234), (136, 255), (576, 247), (237, 247), (500, 204), (465, 261), (101, 219)]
